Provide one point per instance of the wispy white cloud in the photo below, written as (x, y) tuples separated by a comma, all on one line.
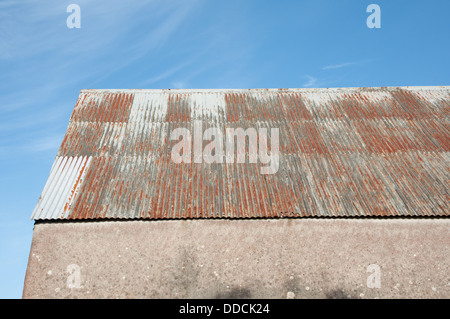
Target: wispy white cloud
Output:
[(113, 34), (179, 85), (320, 82), (46, 143), (343, 65), (311, 81), (338, 66), (165, 74)]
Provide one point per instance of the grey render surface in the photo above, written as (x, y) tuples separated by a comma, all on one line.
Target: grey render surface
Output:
[(278, 258)]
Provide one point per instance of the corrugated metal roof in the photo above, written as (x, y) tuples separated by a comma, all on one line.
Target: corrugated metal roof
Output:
[(343, 152)]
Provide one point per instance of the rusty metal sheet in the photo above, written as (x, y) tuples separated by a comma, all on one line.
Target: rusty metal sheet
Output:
[(342, 153)]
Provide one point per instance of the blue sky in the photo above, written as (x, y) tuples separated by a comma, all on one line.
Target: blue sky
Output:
[(184, 44)]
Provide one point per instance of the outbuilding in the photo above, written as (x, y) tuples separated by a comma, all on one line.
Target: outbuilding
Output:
[(357, 208)]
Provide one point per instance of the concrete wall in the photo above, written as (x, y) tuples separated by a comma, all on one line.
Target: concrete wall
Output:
[(294, 258)]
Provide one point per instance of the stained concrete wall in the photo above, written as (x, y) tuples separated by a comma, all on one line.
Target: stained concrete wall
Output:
[(287, 258)]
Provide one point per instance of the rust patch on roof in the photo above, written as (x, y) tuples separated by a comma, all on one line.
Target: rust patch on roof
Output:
[(98, 107), (178, 110)]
